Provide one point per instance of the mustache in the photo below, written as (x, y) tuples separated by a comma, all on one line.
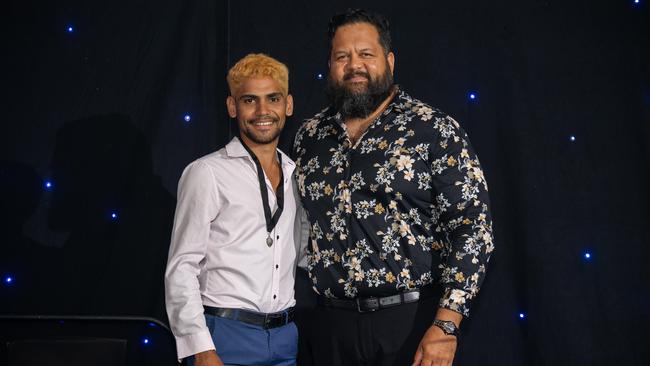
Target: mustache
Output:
[(350, 75), (263, 118)]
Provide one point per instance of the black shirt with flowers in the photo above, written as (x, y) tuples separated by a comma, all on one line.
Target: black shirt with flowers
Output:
[(404, 207)]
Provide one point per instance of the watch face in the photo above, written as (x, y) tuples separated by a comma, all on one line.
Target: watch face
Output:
[(448, 327)]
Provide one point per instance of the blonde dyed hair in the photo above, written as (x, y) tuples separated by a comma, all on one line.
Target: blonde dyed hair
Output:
[(258, 65)]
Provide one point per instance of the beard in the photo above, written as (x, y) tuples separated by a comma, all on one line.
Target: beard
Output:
[(362, 103)]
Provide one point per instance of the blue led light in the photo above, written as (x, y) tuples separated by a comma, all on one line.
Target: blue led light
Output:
[(70, 29), (9, 280), (187, 118), (637, 1), (522, 315), (145, 341), (48, 185), (320, 76), (572, 138), (472, 96), (152, 325), (114, 215), (587, 255)]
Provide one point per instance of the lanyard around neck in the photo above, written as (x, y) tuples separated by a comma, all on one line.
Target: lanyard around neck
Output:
[(271, 221)]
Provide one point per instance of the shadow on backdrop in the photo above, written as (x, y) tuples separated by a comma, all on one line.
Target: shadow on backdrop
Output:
[(118, 217)]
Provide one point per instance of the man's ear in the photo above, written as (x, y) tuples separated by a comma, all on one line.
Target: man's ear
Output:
[(231, 105), (391, 61), (289, 109)]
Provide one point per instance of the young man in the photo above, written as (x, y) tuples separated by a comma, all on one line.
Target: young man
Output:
[(401, 232), (230, 274)]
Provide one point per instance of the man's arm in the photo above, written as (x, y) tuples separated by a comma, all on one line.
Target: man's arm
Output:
[(464, 219), (196, 208), (462, 206), (301, 231)]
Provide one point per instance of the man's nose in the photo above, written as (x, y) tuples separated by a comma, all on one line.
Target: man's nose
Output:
[(262, 107), (354, 63)]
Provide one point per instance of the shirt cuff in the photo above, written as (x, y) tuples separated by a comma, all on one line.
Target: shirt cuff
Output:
[(456, 300), (192, 344)]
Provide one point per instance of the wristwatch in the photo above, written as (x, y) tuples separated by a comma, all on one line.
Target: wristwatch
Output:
[(447, 326)]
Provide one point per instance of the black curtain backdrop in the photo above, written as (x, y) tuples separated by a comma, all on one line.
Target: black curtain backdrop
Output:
[(99, 112)]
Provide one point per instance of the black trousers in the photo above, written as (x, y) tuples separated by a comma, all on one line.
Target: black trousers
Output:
[(384, 337)]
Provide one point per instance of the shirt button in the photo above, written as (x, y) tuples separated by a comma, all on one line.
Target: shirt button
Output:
[(276, 266), (274, 296), (277, 237)]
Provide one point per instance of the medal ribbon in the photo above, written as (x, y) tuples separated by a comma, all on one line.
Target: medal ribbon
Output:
[(271, 221)]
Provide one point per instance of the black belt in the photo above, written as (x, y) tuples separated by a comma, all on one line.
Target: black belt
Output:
[(266, 321), (368, 304)]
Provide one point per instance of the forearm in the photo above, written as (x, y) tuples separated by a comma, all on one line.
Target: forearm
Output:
[(464, 268), (185, 310)]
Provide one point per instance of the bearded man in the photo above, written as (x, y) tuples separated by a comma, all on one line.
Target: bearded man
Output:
[(400, 225)]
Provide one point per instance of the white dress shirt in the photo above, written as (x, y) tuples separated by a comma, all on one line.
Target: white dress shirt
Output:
[(218, 254)]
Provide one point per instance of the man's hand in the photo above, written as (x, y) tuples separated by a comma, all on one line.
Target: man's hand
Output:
[(207, 358), (436, 348)]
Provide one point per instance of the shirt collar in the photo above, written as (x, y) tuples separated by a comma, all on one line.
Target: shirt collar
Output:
[(396, 103), (235, 149)]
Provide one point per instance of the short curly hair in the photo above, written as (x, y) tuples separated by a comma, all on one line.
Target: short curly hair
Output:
[(258, 65)]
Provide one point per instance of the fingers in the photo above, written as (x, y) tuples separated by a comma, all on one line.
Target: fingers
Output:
[(429, 362), (421, 359), (431, 358), (418, 357), (437, 362)]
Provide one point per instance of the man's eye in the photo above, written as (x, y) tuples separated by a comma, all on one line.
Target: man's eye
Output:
[(274, 99), (248, 100)]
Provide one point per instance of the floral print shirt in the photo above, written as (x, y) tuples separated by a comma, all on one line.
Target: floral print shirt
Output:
[(405, 206)]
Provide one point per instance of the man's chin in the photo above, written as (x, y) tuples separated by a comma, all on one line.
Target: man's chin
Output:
[(357, 88), (262, 139)]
